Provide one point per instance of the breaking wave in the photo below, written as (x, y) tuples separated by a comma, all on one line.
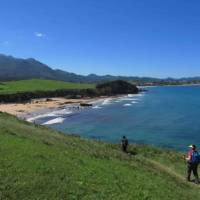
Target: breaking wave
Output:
[(57, 120)]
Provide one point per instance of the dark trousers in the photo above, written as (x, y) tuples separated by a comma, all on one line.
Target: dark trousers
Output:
[(124, 148), (192, 168)]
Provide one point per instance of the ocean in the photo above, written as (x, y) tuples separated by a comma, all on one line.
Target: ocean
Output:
[(167, 116)]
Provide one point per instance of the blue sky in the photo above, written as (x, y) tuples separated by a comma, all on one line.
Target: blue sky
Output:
[(120, 37)]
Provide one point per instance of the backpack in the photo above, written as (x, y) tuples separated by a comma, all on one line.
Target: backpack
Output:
[(195, 157)]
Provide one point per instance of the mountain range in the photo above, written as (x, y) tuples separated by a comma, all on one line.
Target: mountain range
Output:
[(12, 68)]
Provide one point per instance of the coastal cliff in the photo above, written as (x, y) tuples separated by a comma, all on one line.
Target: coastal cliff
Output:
[(105, 89)]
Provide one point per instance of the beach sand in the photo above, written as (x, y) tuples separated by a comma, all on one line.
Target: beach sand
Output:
[(40, 108), (36, 105)]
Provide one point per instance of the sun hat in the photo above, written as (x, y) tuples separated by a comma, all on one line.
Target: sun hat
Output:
[(192, 146)]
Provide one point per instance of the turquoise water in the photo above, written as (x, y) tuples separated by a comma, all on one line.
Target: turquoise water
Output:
[(163, 116)]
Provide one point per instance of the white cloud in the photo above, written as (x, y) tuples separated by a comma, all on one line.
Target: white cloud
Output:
[(39, 34)]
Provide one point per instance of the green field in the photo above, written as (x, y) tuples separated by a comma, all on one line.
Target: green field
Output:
[(40, 163), (39, 85)]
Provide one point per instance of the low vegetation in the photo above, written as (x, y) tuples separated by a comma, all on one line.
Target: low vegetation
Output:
[(33, 85), (117, 87), (22, 91), (40, 163)]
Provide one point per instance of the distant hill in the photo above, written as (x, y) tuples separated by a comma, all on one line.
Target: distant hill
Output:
[(17, 69), (12, 68)]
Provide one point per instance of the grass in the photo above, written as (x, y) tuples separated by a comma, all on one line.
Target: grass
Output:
[(40, 163), (39, 85)]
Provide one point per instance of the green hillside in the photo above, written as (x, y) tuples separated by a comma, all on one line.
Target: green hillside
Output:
[(39, 85), (40, 163)]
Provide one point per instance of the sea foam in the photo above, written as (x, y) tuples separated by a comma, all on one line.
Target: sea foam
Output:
[(31, 119), (55, 113), (127, 104), (57, 120), (131, 95), (96, 107), (134, 102), (106, 101)]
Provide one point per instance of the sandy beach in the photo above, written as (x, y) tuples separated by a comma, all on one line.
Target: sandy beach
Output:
[(56, 107), (19, 109)]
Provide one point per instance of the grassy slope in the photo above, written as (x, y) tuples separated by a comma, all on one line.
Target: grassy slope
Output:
[(39, 163), (42, 85)]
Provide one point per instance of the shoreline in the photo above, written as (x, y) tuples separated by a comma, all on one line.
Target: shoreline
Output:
[(178, 85), (37, 105), (54, 107), (46, 105)]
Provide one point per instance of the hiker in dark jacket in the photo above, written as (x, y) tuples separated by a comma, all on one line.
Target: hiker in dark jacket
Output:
[(124, 144), (193, 160)]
